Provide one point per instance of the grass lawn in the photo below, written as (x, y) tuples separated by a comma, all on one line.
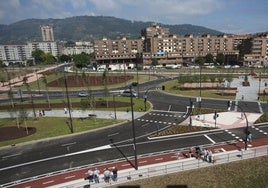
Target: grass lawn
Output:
[(48, 127), (171, 85)]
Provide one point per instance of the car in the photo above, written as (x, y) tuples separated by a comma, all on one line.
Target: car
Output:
[(83, 94), (127, 93)]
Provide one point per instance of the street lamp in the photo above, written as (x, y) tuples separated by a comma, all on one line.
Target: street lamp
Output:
[(114, 107), (229, 103), (133, 129), (69, 106), (37, 79)]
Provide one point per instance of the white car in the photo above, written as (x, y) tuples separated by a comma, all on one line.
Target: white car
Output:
[(127, 93), (83, 94)]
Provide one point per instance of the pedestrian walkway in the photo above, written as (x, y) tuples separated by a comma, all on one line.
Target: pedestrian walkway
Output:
[(224, 120), (122, 115), (31, 77), (248, 93)]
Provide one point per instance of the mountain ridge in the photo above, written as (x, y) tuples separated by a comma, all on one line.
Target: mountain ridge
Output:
[(88, 28)]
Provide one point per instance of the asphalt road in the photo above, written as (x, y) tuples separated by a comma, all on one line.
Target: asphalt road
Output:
[(37, 158)]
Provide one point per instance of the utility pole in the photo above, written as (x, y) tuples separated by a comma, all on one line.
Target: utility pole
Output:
[(69, 106), (133, 129)]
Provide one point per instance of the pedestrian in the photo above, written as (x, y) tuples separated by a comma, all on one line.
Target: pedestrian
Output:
[(43, 112), (40, 113), (209, 156), (205, 155), (90, 175), (65, 110), (114, 170), (96, 174), (249, 137), (107, 175)]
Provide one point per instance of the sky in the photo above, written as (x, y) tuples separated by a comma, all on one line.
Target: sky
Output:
[(229, 16)]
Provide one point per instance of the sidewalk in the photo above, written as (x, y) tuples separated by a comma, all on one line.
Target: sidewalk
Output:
[(225, 120), (172, 162), (83, 114)]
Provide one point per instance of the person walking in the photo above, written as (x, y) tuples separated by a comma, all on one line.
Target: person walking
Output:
[(114, 170), (107, 175), (90, 176), (96, 175)]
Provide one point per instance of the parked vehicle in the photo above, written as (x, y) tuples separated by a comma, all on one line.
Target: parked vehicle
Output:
[(127, 93)]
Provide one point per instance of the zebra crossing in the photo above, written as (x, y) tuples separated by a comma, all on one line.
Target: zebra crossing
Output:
[(170, 117)]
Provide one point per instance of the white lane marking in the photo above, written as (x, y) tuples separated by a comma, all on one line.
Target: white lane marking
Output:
[(109, 135), (145, 124), (169, 108), (142, 162), (126, 164), (209, 139), (223, 150), (47, 182), (57, 157), (159, 159), (14, 155), (260, 107), (68, 144), (68, 177)]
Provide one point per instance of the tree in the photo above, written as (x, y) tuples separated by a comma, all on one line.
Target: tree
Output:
[(209, 59), (38, 56), (220, 58), (244, 48), (154, 62), (25, 82), (49, 58), (2, 64), (45, 82), (81, 60), (200, 60), (105, 80), (64, 58)]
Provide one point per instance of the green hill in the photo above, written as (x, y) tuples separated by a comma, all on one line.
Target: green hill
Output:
[(87, 28)]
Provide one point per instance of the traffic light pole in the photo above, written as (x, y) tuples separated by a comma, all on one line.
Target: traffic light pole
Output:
[(229, 103)]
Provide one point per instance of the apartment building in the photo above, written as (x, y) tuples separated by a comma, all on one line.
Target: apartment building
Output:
[(47, 33), (22, 53), (117, 51), (80, 47), (258, 56), (13, 53), (157, 43)]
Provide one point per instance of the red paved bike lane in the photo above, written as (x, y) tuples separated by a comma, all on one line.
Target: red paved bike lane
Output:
[(121, 165)]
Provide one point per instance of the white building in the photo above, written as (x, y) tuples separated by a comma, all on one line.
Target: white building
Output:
[(47, 33), (82, 46), (22, 53)]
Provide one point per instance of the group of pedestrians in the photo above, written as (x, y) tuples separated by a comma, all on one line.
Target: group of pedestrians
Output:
[(108, 175), (201, 153)]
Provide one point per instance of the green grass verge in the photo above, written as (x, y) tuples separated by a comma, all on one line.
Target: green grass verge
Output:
[(48, 127), (171, 87)]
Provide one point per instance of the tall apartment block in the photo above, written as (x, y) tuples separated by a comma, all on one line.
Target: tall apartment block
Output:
[(47, 33)]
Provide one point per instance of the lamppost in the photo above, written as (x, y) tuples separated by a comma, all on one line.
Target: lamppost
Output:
[(133, 129), (200, 81), (259, 87), (69, 106), (114, 107), (229, 103), (37, 79)]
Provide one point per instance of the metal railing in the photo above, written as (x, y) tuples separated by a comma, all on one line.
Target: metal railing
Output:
[(182, 165)]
